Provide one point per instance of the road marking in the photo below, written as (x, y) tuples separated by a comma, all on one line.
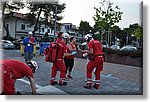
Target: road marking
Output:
[(46, 89), (110, 76), (51, 90)]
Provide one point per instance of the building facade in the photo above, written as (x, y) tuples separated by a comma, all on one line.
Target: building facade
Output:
[(18, 27)]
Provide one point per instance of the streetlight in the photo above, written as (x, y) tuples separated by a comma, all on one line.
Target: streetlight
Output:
[(55, 21)]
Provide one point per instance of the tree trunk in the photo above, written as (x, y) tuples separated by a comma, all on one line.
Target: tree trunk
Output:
[(37, 20), (3, 19)]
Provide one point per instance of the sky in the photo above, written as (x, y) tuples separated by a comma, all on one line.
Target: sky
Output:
[(77, 10)]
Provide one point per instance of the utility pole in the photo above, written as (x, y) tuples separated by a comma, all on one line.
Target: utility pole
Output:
[(127, 39), (55, 22)]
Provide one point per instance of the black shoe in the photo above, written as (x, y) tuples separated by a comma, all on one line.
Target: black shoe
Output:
[(96, 86), (18, 93), (52, 82), (63, 83), (70, 77), (87, 87)]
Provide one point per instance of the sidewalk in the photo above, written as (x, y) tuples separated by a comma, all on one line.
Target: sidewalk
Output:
[(116, 79)]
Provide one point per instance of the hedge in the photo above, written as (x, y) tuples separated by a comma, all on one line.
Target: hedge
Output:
[(133, 54)]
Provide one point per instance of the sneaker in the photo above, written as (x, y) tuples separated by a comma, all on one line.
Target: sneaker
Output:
[(69, 77), (53, 82)]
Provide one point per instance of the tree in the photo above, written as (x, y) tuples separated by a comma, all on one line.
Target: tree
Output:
[(116, 32), (139, 33), (84, 27), (107, 15), (48, 9), (7, 8), (45, 38), (133, 27)]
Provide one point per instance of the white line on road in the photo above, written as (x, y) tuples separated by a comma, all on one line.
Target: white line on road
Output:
[(46, 89), (110, 76)]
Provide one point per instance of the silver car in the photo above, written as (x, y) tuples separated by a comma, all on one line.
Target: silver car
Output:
[(6, 44), (129, 48)]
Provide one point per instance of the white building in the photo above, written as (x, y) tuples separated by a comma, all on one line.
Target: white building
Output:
[(72, 31), (18, 27)]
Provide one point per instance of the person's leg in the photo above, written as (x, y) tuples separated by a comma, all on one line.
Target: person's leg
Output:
[(98, 70), (97, 75), (26, 56), (70, 68), (30, 56), (90, 66), (66, 64), (53, 74), (62, 67), (89, 70)]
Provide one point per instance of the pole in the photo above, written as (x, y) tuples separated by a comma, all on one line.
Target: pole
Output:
[(127, 38), (55, 22)]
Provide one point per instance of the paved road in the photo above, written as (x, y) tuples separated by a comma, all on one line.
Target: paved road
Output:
[(116, 79)]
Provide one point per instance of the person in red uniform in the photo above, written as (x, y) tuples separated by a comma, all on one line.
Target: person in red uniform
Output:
[(95, 54), (59, 63), (13, 70), (69, 60)]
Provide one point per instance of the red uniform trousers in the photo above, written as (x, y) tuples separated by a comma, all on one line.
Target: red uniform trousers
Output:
[(9, 82), (59, 64), (96, 63)]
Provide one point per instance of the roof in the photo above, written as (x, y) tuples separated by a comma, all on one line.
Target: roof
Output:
[(19, 15)]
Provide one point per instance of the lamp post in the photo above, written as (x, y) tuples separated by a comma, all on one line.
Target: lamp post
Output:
[(55, 21)]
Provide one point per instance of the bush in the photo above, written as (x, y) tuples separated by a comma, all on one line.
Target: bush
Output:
[(133, 54), (110, 51)]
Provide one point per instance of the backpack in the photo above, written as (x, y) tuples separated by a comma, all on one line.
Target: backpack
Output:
[(51, 52)]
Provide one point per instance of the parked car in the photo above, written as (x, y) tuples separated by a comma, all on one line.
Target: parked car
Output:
[(17, 43), (105, 45), (115, 47), (128, 48), (6, 44)]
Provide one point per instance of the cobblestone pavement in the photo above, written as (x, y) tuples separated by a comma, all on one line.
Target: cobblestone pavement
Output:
[(116, 79)]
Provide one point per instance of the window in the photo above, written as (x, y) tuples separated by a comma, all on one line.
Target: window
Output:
[(48, 30), (23, 26), (42, 29)]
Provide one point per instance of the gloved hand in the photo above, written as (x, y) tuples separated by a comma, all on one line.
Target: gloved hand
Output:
[(74, 52), (85, 54)]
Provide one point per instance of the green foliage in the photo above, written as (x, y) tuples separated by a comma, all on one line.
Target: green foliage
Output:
[(10, 6), (84, 27), (48, 10), (131, 29), (97, 37), (139, 33), (116, 31), (107, 15), (109, 51), (46, 38), (133, 54)]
